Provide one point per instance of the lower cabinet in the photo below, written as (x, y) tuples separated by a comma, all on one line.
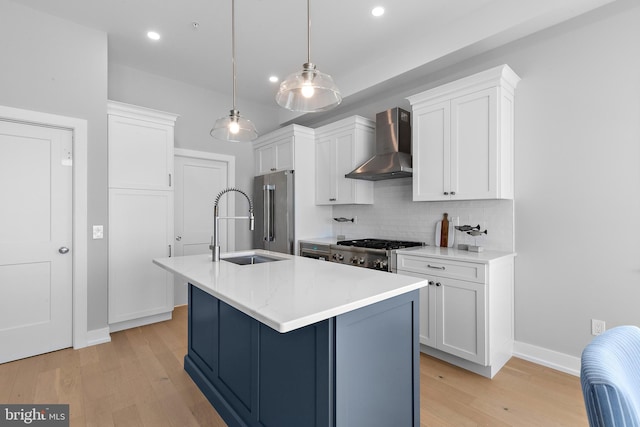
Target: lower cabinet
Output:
[(140, 229), (356, 369), (453, 318), (466, 311)]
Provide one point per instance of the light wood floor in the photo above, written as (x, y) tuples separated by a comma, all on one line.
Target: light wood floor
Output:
[(137, 380)]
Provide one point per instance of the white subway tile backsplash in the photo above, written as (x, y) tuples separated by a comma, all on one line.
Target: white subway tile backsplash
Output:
[(396, 216)]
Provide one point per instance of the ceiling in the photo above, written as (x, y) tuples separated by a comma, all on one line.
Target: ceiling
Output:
[(359, 50)]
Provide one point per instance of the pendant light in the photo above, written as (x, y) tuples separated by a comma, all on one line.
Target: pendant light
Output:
[(234, 127), (309, 90)]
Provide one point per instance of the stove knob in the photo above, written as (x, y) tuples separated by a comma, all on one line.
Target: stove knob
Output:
[(338, 257), (354, 260), (383, 265), (376, 263), (361, 261)]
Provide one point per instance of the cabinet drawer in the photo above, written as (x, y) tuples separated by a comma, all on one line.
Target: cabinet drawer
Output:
[(442, 268)]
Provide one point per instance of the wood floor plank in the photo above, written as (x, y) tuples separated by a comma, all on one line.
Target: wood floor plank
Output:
[(138, 380), (127, 417)]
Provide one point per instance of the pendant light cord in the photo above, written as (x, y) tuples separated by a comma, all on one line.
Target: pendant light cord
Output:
[(233, 49), (308, 32)]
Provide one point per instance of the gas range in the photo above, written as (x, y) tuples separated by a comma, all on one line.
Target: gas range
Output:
[(377, 254)]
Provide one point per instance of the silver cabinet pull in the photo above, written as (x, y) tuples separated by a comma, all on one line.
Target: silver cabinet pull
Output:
[(332, 199), (169, 251), (63, 250), (453, 193), (431, 282), (436, 267), (169, 180), (178, 238), (446, 193), (438, 284)]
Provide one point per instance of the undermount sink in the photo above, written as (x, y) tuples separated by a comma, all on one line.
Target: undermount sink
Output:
[(250, 259)]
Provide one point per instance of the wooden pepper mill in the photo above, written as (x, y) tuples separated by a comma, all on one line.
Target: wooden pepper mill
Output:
[(444, 231)]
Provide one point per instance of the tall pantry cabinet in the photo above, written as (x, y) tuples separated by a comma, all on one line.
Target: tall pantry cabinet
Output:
[(140, 214)]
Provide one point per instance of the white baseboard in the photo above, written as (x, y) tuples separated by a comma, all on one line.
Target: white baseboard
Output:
[(134, 323), (98, 336), (549, 358)]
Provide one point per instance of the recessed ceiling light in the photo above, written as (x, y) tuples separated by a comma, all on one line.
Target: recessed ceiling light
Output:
[(273, 79), (377, 11), (153, 35)]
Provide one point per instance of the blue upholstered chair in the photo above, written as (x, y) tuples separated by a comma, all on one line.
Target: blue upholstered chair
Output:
[(610, 377)]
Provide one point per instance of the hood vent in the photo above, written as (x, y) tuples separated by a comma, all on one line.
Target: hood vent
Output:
[(393, 148)]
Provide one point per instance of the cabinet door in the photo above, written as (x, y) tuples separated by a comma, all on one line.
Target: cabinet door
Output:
[(140, 229), (460, 308), (345, 148), (265, 159), (431, 152), (428, 315), (326, 164), (140, 154), (275, 156), (474, 146), (284, 154), (428, 318)]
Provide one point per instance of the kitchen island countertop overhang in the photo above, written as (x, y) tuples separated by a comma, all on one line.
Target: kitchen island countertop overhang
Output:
[(293, 291)]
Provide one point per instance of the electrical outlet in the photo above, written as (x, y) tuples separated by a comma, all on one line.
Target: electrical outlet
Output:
[(597, 326), (98, 232)]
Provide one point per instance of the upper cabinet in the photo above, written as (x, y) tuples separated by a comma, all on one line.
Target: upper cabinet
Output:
[(275, 151), (340, 148), (463, 138), (140, 147)]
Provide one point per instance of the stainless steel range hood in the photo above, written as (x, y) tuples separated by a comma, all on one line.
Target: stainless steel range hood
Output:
[(393, 148)]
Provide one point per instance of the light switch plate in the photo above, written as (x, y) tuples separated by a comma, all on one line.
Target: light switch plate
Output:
[(98, 232)]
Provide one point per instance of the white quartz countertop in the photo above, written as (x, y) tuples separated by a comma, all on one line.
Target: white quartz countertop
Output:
[(484, 257), (293, 292)]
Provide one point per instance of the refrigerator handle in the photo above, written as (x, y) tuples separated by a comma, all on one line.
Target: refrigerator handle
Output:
[(269, 200)]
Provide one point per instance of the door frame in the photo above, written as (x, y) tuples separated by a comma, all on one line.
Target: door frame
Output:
[(231, 180), (78, 128)]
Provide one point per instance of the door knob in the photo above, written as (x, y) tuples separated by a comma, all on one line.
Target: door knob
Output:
[(63, 250)]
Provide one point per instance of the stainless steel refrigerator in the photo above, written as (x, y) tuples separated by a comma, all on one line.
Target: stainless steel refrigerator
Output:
[(273, 210)]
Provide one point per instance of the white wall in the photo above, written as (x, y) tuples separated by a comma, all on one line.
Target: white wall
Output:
[(54, 66), (578, 179), (198, 109)]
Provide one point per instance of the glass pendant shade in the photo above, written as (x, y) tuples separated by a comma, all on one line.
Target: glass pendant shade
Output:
[(234, 128), (308, 91)]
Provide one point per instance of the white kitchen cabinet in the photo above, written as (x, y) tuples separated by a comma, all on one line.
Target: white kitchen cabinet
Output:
[(466, 312), (463, 138), (140, 147), (274, 152), (141, 228), (140, 214), (340, 148)]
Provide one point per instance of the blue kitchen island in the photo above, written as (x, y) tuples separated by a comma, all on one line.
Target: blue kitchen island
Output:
[(302, 342)]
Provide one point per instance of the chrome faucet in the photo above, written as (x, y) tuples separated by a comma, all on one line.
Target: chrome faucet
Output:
[(215, 244)]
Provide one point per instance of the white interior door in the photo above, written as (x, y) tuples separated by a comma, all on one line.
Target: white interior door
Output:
[(35, 240), (197, 182)]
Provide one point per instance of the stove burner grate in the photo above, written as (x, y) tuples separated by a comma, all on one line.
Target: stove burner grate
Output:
[(379, 244)]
